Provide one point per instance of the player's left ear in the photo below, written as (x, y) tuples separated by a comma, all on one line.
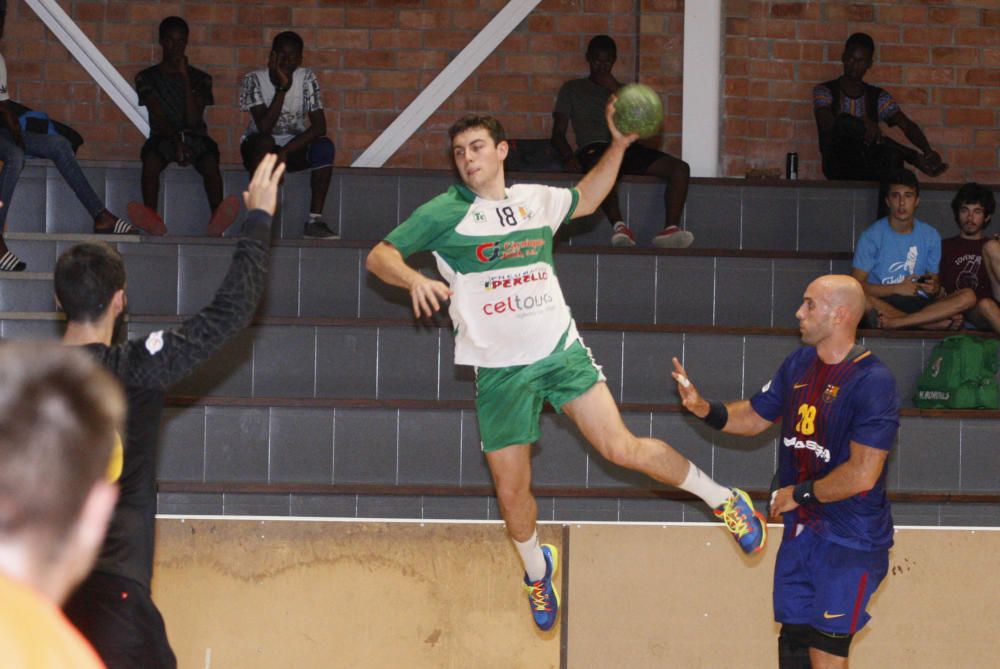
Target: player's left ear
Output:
[(118, 301), (503, 149)]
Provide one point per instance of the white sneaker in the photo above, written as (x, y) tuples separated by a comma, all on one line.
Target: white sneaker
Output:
[(673, 238), (621, 235)]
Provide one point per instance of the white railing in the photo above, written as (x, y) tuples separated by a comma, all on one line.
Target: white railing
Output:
[(92, 60), (445, 83)]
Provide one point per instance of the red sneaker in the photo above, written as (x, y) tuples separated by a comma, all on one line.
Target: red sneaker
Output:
[(673, 238), (146, 219), (621, 235), (223, 216)]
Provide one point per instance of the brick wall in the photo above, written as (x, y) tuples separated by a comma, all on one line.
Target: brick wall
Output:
[(372, 57), (940, 60)]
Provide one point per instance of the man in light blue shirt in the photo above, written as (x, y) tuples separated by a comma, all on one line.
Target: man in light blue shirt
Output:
[(897, 261)]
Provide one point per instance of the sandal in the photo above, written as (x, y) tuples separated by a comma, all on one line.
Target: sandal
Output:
[(11, 263)]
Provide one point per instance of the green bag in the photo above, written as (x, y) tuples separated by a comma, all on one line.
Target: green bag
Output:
[(961, 374)]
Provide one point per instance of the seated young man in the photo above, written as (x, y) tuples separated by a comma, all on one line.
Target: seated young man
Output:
[(281, 99), (896, 260), (848, 112), (176, 94), (970, 260), (17, 143), (581, 102)]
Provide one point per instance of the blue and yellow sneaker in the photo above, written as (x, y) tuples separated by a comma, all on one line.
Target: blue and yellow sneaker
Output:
[(542, 595), (749, 527)]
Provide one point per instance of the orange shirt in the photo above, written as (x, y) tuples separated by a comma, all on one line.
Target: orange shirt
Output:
[(34, 633)]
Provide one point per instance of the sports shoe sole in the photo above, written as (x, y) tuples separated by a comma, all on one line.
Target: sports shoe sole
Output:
[(679, 240)]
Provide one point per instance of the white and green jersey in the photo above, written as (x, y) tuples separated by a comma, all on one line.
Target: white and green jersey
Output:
[(507, 306)]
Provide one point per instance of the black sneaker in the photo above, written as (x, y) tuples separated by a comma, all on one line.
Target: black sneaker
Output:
[(317, 229)]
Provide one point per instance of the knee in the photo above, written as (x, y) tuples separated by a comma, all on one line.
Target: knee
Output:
[(321, 152), (991, 251), (60, 146), (254, 148), (621, 449), (511, 492), (988, 306), (968, 298), (682, 170)]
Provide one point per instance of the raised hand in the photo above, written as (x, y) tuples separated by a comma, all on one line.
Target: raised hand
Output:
[(262, 192), (690, 397)]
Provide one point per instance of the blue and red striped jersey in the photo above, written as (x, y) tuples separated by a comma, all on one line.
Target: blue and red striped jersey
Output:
[(823, 408)]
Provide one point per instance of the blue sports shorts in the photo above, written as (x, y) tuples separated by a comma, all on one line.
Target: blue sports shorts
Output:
[(825, 585)]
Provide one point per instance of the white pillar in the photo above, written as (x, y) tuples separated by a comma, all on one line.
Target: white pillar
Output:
[(702, 88)]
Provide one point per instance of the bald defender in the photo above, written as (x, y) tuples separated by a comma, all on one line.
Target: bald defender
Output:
[(839, 412)]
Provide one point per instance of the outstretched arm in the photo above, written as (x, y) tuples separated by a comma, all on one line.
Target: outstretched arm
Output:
[(387, 263), (164, 358), (917, 137), (742, 419), (598, 182)]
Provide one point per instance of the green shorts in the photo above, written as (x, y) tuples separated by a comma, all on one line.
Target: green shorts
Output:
[(509, 399)]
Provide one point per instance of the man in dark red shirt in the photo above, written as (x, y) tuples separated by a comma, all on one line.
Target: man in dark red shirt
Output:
[(971, 259)]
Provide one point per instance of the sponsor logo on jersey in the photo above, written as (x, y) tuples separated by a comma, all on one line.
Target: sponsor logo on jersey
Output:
[(516, 304), (514, 279), (809, 445), (479, 217), (830, 393), (831, 616), (490, 251)]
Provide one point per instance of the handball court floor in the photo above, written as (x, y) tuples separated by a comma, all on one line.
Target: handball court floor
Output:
[(267, 592)]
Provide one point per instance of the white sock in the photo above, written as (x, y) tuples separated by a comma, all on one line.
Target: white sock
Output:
[(699, 483), (531, 555), (617, 223), (315, 217)]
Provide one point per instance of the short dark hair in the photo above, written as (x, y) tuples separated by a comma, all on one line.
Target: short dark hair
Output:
[(601, 43), (860, 39), (973, 193), (288, 37), (901, 177), (86, 278), (470, 121), (173, 23), (60, 412)]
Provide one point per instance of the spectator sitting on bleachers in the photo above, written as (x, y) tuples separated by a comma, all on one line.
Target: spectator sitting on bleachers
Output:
[(280, 98), (59, 418), (970, 259), (176, 94), (40, 139), (896, 260), (581, 102), (848, 112)]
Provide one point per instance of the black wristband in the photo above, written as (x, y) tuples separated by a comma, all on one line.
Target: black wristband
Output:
[(803, 493), (283, 90), (717, 416)]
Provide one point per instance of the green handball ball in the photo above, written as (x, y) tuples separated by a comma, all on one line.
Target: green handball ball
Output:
[(638, 110)]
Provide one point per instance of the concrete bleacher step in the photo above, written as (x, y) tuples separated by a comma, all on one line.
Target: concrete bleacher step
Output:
[(381, 445), (395, 359), (327, 278), (368, 203), (335, 384)]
